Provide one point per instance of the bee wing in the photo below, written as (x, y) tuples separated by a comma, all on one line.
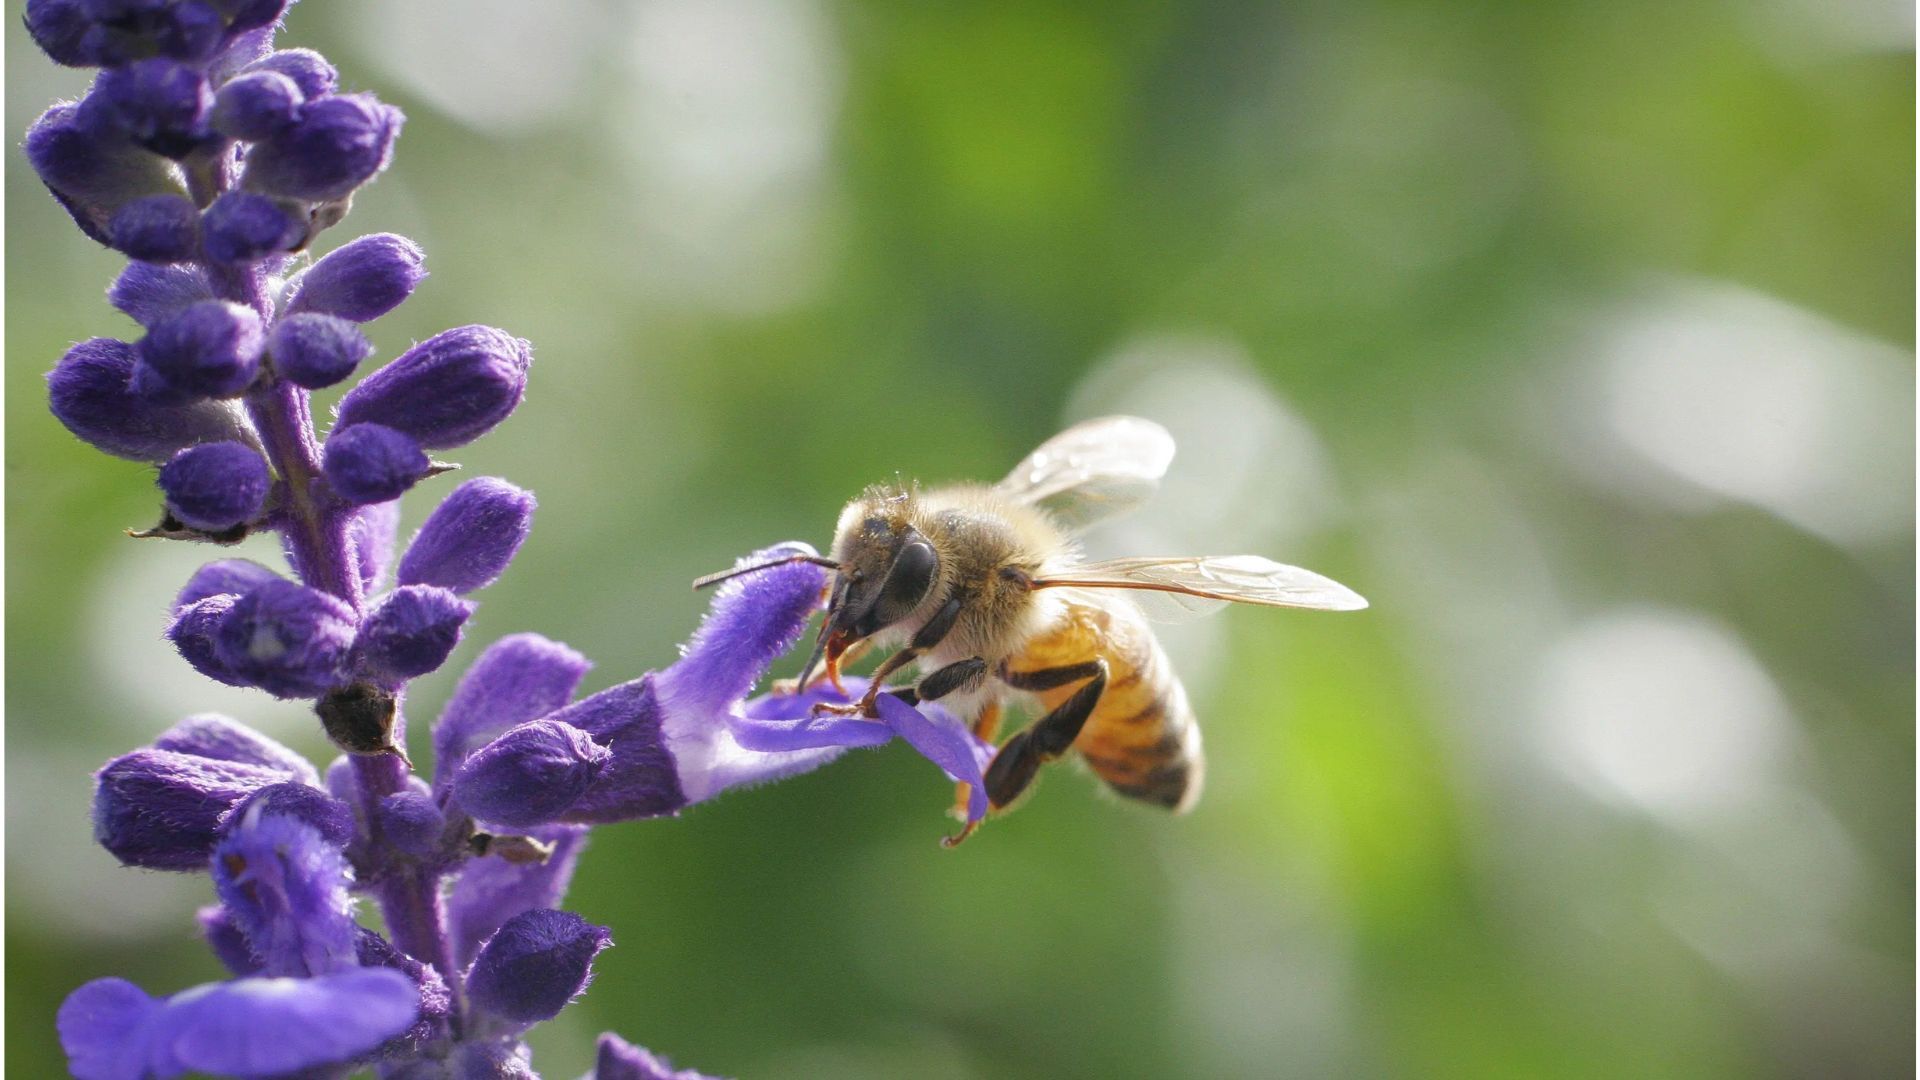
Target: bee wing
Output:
[(1198, 584), (1092, 471)]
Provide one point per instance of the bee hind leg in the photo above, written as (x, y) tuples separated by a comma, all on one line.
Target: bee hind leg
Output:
[(1019, 761)]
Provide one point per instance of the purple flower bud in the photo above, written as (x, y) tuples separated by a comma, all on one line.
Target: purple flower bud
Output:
[(534, 965), (61, 29), (308, 69), (468, 540), (149, 294), (521, 677), (287, 639), (243, 227), (315, 351), (156, 228), (254, 1027), (161, 810), (643, 778), (235, 576), (162, 104), (492, 889), (372, 534), (90, 391), (216, 486), (257, 105), (410, 632), (226, 940), (211, 735), (530, 775), (194, 631), (286, 888), (302, 802), (190, 30), (372, 463), (212, 349), (411, 821), (339, 143), (446, 391), (619, 1059), (92, 173), (362, 279)]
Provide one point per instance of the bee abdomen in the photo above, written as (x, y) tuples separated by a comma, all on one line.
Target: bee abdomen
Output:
[(1147, 751)]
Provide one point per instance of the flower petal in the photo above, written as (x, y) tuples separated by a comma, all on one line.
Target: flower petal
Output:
[(102, 1028), (752, 621), (265, 1027), (286, 888), (945, 743)]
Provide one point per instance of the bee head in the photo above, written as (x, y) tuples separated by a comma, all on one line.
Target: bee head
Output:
[(887, 568)]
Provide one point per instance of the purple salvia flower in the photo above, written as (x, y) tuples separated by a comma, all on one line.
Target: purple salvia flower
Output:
[(161, 104), (216, 486), (241, 227), (149, 294), (519, 678), (249, 1028), (411, 820), (372, 463), (300, 801), (91, 394), (315, 351), (156, 228), (257, 105), (339, 143), (446, 391), (530, 775), (161, 810), (362, 279), (619, 1059), (533, 966), (467, 541)]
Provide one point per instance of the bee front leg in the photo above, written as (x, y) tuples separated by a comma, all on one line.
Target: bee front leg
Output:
[(1015, 766), (928, 636)]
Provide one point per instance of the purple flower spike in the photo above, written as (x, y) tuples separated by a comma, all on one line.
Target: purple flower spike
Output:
[(446, 391), (216, 486), (242, 227), (286, 888), (468, 540), (409, 633), (340, 143), (90, 394), (150, 294), (193, 632), (315, 351), (530, 775), (235, 576), (519, 678), (211, 349), (287, 639), (250, 1028), (411, 821), (91, 173), (161, 810), (534, 965), (619, 1059), (753, 620), (361, 280), (372, 463), (211, 735), (162, 104), (308, 69), (157, 228), (492, 889), (302, 802), (257, 105)]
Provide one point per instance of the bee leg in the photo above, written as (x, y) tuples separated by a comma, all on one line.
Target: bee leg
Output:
[(1015, 766), (852, 656), (927, 637)]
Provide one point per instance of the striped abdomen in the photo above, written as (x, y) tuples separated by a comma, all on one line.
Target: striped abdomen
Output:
[(1142, 738)]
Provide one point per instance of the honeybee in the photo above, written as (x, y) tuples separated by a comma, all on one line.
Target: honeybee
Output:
[(984, 590)]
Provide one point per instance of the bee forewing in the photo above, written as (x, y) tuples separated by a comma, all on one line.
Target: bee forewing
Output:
[(1196, 581), (1092, 471)]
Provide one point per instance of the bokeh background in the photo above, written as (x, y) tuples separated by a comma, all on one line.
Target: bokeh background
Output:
[(1579, 337)]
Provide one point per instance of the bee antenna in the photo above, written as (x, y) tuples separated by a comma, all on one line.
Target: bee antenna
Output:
[(787, 560)]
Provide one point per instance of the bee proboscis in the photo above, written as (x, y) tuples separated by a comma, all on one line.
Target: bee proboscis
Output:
[(984, 589)]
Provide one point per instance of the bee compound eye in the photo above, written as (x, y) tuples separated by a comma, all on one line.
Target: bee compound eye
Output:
[(907, 582)]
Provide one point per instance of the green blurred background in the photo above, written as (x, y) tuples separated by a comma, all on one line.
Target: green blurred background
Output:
[(1578, 337)]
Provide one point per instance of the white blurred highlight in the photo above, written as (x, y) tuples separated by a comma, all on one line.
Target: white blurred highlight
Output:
[(1665, 710), (1704, 389), (726, 124), (1249, 475), (500, 66)]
